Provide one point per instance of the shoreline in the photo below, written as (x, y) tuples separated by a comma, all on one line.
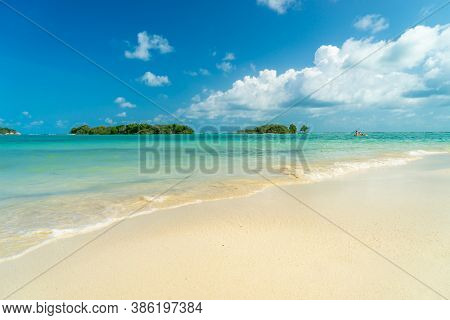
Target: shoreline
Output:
[(255, 223), (289, 176), (401, 159)]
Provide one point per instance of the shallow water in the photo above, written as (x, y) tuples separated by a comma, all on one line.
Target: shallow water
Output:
[(55, 186)]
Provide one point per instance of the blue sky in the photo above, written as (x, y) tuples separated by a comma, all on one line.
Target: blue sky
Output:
[(225, 63)]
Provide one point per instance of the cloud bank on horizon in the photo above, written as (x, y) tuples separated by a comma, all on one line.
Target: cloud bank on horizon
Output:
[(408, 73)]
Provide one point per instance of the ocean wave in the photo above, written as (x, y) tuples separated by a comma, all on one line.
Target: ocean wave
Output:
[(154, 199), (419, 153), (340, 168), (56, 234)]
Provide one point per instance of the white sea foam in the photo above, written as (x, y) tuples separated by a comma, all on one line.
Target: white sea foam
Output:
[(419, 153), (55, 234), (340, 168), (155, 199)]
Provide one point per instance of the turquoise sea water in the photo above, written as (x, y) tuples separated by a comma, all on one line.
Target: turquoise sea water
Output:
[(55, 186)]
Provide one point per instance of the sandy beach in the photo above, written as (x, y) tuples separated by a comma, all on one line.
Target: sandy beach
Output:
[(265, 246)]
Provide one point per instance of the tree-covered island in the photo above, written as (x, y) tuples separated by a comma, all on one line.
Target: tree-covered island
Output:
[(274, 128), (144, 128), (7, 131), (133, 128)]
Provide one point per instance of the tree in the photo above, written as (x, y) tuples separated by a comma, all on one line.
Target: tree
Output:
[(304, 128), (135, 128), (267, 128), (7, 131), (80, 130), (292, 128)]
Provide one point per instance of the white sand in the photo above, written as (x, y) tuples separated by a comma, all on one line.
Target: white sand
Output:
[(267, 246)]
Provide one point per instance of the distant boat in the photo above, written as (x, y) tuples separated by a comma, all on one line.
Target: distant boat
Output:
[(359, 134)]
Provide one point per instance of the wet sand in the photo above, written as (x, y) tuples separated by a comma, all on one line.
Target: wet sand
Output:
[(382, 233)]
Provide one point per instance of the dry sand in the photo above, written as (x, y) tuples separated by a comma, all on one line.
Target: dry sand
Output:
[(266, 246)]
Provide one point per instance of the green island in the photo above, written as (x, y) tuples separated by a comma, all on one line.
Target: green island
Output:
[(7, 131), (275, 128), (133, 128), (143, 128)]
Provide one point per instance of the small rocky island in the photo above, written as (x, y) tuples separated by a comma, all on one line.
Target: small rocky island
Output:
[(7, 131), (275, 128), (133, 128)]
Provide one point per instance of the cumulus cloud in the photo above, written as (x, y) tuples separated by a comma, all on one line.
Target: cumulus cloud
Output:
[(37, 123), (123, 103), (153, 80), (371, 22), (409, 72), (121, 114), (26, 114), (109, 121), (147, 43), (279, 6)]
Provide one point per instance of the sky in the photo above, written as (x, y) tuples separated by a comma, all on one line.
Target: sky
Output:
[(336, 65)]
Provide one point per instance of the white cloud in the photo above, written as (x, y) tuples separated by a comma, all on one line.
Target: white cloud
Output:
[(191, 73), (410, 72), (147, 43), (204, 72), (121, 114), (61, 123), (201, 71), (153, 80), (161, 118), (372, 22), (37, 123), (109, 121), (26, 114), (123, 103), (257, 94), (229, 56), (225, 66), (280, 6)]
